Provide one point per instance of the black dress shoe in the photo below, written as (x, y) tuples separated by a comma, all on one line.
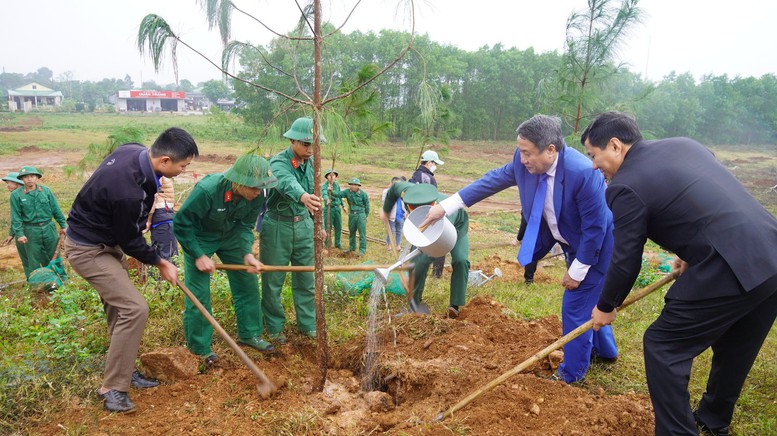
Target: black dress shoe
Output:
[(595, 358), (704, 430), (139, 381), (117, 401)]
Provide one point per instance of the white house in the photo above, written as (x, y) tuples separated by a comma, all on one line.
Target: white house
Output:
[(33, 97)]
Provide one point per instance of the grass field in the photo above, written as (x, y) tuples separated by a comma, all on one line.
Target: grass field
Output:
[(51, 354)]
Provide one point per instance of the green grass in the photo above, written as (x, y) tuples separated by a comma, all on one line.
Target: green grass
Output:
[(52, 353)]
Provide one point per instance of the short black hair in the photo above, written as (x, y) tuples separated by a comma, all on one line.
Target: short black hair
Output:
[(542, 130), (395, 179), (611, 125), (175, 143)]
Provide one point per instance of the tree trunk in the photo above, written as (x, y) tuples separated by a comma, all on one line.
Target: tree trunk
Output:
[(323, 349)]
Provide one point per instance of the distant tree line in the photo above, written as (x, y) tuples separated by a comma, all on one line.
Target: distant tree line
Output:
[(479, 95)]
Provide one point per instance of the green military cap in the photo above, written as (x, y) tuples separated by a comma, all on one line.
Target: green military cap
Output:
[(29, 170), (302, 130), (355, 181), (252, 171), (13, 177), (330, 171), (420, 194)]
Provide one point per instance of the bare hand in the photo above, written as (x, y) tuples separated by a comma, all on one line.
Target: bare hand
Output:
[(311, 202), (680, 265), (569, 283), (514, 242), (253, 263), (205, 264), (168, 271), (602, 319), (435, 214), (7, 240), (22, 240)]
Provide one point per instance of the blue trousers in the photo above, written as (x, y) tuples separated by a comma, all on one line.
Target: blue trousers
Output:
[(576, 307)]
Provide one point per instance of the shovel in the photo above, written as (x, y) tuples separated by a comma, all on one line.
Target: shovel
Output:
[(303, 268), (265, 387), (636, 296)]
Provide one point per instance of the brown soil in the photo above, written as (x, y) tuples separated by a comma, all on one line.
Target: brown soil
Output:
[(9, 258), (436, 363)]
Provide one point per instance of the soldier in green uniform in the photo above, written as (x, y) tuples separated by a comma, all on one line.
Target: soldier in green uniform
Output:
[(32, 208), (13, 183), (414, 195), (218, 217), (359, 209), (287, 233), (332, 210)]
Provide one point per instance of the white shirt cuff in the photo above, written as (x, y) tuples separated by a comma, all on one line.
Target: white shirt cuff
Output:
[(452, 204), (578, 271)]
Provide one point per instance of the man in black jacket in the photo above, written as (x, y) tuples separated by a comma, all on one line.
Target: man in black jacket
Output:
[(676, 193), (106, 222)]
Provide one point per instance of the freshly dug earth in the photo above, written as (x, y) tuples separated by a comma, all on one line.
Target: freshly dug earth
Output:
[(427, 364)]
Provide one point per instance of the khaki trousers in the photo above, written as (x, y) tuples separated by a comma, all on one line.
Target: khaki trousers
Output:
[(105, 268)]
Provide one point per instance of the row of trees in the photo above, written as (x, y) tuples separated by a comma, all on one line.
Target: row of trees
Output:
[(485, 94), (480, 95)]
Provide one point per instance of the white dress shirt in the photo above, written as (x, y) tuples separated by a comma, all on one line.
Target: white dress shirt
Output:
[(577, 270)]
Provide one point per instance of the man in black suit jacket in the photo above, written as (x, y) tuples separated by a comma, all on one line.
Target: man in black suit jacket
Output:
[(676, 193)]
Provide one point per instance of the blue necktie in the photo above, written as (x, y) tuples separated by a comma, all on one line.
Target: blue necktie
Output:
[(526, 253)]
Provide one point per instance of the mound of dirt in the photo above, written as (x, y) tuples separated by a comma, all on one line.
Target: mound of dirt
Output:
[(427, 364), (9, 257)]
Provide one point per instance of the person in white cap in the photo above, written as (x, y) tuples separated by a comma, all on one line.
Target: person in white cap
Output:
[(425, 174), (425, 171)]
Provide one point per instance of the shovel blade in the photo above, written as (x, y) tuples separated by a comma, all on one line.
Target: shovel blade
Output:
[(266, 389), (417, 307)]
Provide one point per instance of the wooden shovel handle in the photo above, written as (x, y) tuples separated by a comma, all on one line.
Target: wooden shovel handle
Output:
[(311, 268), (554, 346), (267, 386)]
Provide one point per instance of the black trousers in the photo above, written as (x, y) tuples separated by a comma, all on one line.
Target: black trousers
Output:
[(164, 242), (437, 266), (735, 328), (528, 272)]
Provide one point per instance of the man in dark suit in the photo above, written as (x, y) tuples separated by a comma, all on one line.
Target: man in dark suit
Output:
[(676, 193), (570, 210)]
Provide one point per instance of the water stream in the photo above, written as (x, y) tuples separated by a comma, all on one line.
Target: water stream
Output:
[(371, 358)]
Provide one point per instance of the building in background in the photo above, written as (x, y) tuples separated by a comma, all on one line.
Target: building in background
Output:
[(151, 101), (33, 97)]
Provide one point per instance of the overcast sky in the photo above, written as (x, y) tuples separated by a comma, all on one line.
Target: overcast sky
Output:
[(95, 39)]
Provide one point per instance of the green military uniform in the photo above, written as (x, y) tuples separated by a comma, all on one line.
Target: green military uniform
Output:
[(421, 194), (335, 215), (287, 238), (31, 214), (20, 249), (359, 208), (213, 220)]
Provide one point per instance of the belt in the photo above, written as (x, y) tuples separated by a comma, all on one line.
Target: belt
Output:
[(287, 218), (40, 224)]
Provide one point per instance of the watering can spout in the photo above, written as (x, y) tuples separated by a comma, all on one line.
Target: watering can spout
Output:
[(383, 273)]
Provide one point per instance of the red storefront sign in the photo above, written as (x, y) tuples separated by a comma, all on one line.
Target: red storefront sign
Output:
[(179, 95)]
